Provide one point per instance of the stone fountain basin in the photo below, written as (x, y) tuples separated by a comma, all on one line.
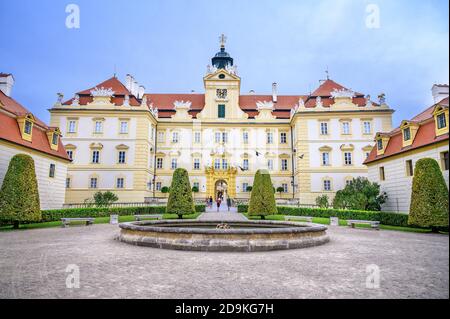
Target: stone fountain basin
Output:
[(246, 236)]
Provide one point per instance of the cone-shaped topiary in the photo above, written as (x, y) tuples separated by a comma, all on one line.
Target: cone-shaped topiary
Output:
[(429, 196), (180, 199), (19, 196), (262, 199)]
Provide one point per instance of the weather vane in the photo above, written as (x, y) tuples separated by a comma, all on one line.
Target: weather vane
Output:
[(327, 73), (223, 40)]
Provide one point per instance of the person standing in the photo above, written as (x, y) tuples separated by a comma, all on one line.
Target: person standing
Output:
[(228, 203), (210, 201), (218, 203)]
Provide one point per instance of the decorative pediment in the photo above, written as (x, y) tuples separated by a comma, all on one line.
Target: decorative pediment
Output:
[(245, 155), (70, 147), (347, 147), (102, 92), (213, 73), (160, 154), (343, 93), (284, 155), (367, 148), (197, 154), (270, 154), (96, 146), (122, 147), (325, 148), (175, 153)]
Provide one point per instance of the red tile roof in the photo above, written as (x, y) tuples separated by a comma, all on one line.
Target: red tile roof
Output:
[(426, 135), (9, 129)]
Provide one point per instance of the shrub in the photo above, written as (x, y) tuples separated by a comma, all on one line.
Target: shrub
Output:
[(19, 195), (57, 214), (195, 189), (360, 194), (262, 199), (249, 188), (180, 199), (429, 196), (165, 190), (280, 190), (322, 201), (105, 199)]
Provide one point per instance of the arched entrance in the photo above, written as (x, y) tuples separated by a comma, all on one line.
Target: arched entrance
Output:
[(228, 178), (221, 190)]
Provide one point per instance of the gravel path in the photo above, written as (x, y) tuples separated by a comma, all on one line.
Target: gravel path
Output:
[(33, 265)]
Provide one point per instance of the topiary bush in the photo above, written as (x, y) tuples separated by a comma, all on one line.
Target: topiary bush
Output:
[(429, 196), (19, 195), (180, 200), (262, 198)]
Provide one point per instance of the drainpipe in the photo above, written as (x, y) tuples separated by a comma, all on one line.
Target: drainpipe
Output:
[(293, 161), (155, 138)]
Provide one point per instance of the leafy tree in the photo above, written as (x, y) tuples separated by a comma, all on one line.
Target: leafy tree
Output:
[(180, 199), (262, 199), (360, 194), (165, 190), (429, 196), (249, 188), (195, 189), (105, 199), (19, 195), (323, 201), (280, 190)]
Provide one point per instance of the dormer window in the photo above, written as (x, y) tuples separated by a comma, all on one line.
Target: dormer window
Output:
[(380, 144), (407, 134), (53, 134), (441, 122), (382, 140), (409, 130), (26, 123), (55, 139), (441, 119), (28, 127)]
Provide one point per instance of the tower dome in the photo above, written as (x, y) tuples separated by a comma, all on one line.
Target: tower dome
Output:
[(222, 58)]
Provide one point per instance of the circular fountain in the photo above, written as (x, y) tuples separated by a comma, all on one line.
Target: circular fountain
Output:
[(260, 235)]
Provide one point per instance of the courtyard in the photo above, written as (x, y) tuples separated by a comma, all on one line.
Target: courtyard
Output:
[(33, 264)]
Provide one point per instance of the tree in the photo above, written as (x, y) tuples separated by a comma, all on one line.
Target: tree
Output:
[(323, 201), (19, 195), (165, 190), (105, 199), (360, 194), (280, 190), (180, 199), (262, 199), (249, 188), (194, 189), (429, 196)]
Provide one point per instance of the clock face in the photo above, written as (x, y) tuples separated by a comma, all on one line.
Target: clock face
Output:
[(221, 93)]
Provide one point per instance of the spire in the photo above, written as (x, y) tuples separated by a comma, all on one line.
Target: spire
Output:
[(222, 59)]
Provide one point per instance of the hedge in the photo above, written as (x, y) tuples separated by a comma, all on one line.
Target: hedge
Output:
[(57, 214), (385, 218)]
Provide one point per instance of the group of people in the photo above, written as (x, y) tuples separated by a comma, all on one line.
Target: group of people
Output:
[(219, 200)]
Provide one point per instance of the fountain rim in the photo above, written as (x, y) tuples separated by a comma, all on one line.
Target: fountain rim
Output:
[(152, 226)]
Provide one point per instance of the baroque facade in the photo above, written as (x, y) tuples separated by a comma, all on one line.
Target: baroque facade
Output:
[(123, 139), (392, 160)]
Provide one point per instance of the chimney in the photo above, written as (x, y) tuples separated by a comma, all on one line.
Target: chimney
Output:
[(128, 82), (141, 91), (274, 92), (135, 88), (6, 83), (439, 92)]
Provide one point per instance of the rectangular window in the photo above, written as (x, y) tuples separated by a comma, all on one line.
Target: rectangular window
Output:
[(93, 182), (122, 157), (245, 164), (123, 127), (52, 170), (269, 138), (325, 159), (55, 139), (381, 172), (245, 137), (120, 182), (196, 163), (348, 158), (175, 137), (68, 182), (367, 154), (70, 154), (28, 126), (380, 144), (270, 164), (217, 163), (158, 186), (324, 128), (221, 111), (224, 164), (283, 137), (347, 182), (367, 127), (346, 128), (444, 161), (326, 185), (407, 134), (98, 127), (224, 137), (409, 168), (244, 187), (217, 137), (197, 185), (284, 164), (285, 187), (197, 137), (95, 157), (174, 163), (160, 137), (159, 163), (72, 126), (441, 122)]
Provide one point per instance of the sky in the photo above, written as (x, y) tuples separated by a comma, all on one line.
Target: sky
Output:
[(400, 48)]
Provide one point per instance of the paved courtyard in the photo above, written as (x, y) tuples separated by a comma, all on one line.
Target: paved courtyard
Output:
[(33, 265)]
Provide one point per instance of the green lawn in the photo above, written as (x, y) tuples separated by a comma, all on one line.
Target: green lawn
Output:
[(98, 220), (326, 221)]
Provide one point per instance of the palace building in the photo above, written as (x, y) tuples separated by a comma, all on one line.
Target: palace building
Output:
[(392, 160), (124, 139)]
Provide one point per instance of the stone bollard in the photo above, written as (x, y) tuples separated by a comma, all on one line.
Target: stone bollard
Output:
[(334, 221), (114, 219)]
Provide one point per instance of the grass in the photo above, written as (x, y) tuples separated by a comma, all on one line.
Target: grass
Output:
[(342, 222), (98, 220)]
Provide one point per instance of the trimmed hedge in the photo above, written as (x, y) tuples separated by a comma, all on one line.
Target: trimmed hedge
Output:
[(57, 214), (385, 218)]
